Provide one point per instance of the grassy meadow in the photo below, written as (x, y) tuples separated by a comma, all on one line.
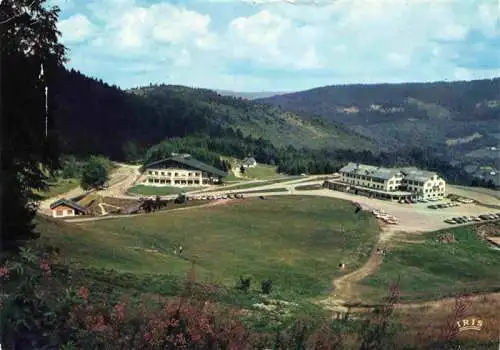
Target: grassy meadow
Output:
[(160, 191), (262, 172), (297, 242), (430, 269), (58, 187)]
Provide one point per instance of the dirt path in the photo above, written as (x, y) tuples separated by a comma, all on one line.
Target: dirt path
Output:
[(120, 180), (344, 287)]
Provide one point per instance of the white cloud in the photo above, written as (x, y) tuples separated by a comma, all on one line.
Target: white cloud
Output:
[(273, 40), (76, 29), (349, 40)]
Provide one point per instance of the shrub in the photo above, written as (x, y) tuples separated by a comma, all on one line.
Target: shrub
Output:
[(267, 286), (181, 198), (244, 283)]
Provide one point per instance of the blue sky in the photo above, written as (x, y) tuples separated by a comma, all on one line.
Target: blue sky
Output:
[(287, 45)]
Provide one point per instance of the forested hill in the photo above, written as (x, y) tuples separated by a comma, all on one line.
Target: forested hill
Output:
[(94, 117), (442, 114), (252, 119)]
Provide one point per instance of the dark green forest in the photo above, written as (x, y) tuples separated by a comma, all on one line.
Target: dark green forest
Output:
[(397, 115), (94, 117), (149, 123)]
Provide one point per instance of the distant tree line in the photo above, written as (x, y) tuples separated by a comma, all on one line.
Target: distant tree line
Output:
[(295, 161)]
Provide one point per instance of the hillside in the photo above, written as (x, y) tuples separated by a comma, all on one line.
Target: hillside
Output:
[(94, 117), (255, 120), (455, 116)]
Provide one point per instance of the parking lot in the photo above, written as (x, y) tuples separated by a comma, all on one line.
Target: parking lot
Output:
[(416, 217)]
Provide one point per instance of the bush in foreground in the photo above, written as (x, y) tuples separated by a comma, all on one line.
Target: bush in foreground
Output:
[(39, 308)]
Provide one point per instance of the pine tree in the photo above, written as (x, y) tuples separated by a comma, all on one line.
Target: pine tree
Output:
[(28, 45)]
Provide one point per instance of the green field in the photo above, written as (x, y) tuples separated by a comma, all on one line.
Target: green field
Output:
[(262, 172), (295, 241), (432, 269), (160, 191), (59, 187)]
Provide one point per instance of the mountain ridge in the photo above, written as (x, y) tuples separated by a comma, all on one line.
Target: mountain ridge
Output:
[(89, 111)]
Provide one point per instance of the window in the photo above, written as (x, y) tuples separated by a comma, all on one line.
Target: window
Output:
[(163, 173), (196, 174), (150, 172), (156, 173), (59, 212), (169, 174), (156, 180), (69, 212), (150, 180), (189, 174), (176, 174)]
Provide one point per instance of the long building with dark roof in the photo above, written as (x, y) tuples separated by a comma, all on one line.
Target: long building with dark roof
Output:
[(390, 183), (180, 171)]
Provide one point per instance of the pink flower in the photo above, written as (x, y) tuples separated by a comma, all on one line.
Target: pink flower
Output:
[(83, 293), (173, 323), (99, 326), (44, 265), (148, 336), (4, 272), (179, 339), (196, 338), (120, 311)]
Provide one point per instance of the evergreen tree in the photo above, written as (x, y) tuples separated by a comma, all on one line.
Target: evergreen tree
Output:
[(28, 42)]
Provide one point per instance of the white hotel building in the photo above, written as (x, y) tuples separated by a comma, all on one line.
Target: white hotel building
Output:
[(389, 183)]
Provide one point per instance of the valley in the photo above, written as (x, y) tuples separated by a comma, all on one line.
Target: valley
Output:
[(206, 175), (296, 238)]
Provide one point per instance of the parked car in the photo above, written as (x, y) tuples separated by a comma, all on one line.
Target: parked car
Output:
[(449, 221)]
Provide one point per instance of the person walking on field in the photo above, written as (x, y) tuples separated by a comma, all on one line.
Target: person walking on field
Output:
[(180, 250)]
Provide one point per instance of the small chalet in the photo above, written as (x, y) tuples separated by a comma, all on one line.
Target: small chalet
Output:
[(249, 162), (64, 208)]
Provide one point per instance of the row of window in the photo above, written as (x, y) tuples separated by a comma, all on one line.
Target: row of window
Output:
[(61, 212), (177, 182), (163, 173)]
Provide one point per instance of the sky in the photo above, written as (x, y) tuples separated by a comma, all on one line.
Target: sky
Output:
[(280, 45)]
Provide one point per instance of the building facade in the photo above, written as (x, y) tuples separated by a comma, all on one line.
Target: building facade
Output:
[(65, 208), (390, 183), (181, 171)]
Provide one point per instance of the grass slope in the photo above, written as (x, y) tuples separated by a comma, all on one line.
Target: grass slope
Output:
[(262, 172), (58, 187), (431, 269), (295, 241), (160, 191), (257, 119), (404, 114)]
